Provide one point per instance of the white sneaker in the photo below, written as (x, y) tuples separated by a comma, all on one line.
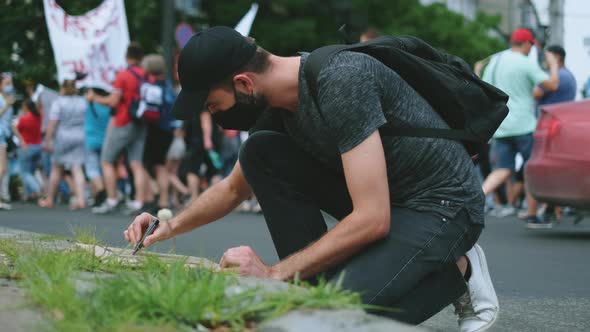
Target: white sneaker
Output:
[(478, 309), (5, 206)]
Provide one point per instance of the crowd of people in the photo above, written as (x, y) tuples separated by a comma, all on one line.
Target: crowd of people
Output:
[(84, 147), (529, 87), (91, 147)]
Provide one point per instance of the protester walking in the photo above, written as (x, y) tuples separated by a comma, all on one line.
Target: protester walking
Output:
[(515, 74), (28, 131), (95, 127), (159, 133), (6, 113), (65, 137)]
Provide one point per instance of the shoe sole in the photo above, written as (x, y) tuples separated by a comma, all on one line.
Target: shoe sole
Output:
[(484, 263), (539, 226)]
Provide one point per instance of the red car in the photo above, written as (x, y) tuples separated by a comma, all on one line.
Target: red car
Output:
[(559, 169)]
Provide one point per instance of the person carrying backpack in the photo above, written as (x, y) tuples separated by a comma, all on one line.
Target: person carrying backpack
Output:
[(123, 133), (157, 97), (409, 204)]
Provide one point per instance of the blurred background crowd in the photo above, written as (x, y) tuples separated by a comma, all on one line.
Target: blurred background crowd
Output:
[(66, 140)]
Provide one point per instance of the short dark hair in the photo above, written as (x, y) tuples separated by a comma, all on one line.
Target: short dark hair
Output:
[(134, 51), (557, 50), (259, 63)]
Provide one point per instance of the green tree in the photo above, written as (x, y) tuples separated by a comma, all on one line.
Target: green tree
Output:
[(282, 26), (287, 26)]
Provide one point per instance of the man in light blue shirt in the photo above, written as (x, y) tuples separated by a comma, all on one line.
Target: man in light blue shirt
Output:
[(517, 75)]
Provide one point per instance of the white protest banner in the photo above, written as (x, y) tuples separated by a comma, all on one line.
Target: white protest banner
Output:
[(94, 43), (245, 23)]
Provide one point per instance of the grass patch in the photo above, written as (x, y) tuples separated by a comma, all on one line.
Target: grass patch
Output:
[(157, 295), (85, 235)]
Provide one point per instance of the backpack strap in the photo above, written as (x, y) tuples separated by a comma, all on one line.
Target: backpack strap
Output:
[(137, 76), (314, 64)]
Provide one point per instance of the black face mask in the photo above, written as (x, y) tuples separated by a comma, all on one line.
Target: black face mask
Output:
[(243, 115)]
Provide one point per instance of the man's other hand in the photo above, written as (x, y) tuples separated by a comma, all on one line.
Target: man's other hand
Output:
[(245, 261)]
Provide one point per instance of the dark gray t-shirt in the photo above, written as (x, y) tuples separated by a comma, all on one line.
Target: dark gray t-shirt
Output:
[(357, 95)]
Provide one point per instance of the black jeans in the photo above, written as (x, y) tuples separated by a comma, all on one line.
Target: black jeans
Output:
[(412, 270)]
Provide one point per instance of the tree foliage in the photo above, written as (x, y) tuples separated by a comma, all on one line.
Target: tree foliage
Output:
[(26, 50), (281, 26)]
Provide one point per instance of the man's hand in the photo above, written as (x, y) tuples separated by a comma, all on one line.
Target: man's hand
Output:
[(245, 261), (48, 145), (208, 144), (551, 59), (141, 223), (23, 146), (90, 95)]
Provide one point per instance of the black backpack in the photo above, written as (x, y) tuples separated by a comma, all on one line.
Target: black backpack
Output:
[(472, 108)]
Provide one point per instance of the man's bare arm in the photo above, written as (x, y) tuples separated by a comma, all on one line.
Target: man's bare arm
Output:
[(112, 100), (538, 93), (213, 204), (366, 178), (552, 83)]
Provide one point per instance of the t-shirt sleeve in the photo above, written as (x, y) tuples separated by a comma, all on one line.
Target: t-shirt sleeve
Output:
[(20, 124), (54, 111), (119, 82), (350, 104), (536, 74)]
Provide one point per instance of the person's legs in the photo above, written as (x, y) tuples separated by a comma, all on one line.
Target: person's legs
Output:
[(505, 152), (419, 255), (116, 140), (79, 183), (110, 179), (3, 159), (163, 185), (172, 167), (524, 145), (3, 169), (54, 178), (27, 161), (135, 153)]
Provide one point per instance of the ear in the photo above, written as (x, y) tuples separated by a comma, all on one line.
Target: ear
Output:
[(243, 83)]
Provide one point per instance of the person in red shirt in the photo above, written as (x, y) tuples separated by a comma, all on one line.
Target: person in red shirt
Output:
[(28, 130), (123, 133)]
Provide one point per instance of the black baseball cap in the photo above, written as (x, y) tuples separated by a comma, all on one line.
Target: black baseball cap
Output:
[(208, 58)]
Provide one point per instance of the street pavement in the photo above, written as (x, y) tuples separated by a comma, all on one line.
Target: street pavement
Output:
[(542, 277)]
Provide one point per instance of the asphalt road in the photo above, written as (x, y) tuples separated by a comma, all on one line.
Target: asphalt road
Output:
[(542, 277)]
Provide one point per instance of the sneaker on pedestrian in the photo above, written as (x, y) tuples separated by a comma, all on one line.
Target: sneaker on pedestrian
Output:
[(506, 211), (5, 206), (478, 308), (244, 207), (534, 222), (107, 206), (134, 208), (502, 211)]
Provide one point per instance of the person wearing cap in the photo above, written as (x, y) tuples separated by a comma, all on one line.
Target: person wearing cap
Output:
[(517, 75), (410, 209)]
